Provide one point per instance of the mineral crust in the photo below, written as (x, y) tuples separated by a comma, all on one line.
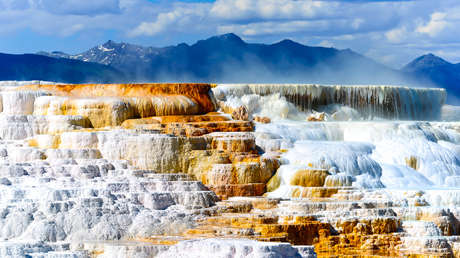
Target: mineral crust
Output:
[(198, 170)]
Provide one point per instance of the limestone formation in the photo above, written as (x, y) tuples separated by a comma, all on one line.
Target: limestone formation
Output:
[(370, 100), (236, 248), (317, 117), (199, 170), (309, 178), (264, 120), (241, 113)]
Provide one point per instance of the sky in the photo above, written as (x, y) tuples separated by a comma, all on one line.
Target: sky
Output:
[(392, 32)]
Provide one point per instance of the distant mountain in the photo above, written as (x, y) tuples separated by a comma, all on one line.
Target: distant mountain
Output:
[(434, 69), (110, 53), (424, 62), (227, 58), (132, 59), (38, 67)]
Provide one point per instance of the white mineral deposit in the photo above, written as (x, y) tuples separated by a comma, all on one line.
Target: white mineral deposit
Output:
[(166, 172)]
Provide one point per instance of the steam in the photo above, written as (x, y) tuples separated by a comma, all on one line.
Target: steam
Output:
[(251, 69)]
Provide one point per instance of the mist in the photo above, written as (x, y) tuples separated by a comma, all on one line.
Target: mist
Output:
[(251, 69)]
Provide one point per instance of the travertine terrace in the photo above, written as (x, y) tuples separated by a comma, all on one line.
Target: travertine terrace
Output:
[(198, 170)]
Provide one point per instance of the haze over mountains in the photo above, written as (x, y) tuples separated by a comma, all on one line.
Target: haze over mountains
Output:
[(227, 59)]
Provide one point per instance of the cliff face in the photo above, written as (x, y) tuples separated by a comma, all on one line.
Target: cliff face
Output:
[(371, 101), (148, 166), (199, 93)]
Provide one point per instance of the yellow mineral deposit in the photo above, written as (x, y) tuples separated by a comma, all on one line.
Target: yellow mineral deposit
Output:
[(412, 162), (199, 93), (309, 178)]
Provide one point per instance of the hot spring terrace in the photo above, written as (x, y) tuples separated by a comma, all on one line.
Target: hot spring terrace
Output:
[(200, 170), (144, 100)]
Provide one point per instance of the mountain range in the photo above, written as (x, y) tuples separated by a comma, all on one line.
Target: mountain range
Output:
[(227, 59), (37, 67)]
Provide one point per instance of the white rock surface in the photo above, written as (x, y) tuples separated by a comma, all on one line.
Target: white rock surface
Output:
[(66, 190), (73, 196), (221, 248)]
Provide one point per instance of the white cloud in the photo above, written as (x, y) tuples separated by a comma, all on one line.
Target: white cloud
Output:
[(271, 28), (152, 28), (271, 9), (182, 17), (357, 23), (397, 35), (72, 30), (66, 18), (435, 26), (326, 43)]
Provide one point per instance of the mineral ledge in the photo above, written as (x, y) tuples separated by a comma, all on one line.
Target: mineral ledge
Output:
[(198, 170)]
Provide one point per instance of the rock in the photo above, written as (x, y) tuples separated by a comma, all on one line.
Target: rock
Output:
[(143, 168), (237, 248), (421, 229), (12, 171), (309, 178), (427, 245), (345, 113), (264, 120), (17, 127), (340, 179), (131, 250), (369, 226), (241, 113), (25, 154), (5, 181), (317, 117), (226, 191), (388, 102), (100, 112), (273, 183), (412, 162), (20, 102), (198, 93)]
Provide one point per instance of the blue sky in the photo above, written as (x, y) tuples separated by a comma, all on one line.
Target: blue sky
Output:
[(392, 32)]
